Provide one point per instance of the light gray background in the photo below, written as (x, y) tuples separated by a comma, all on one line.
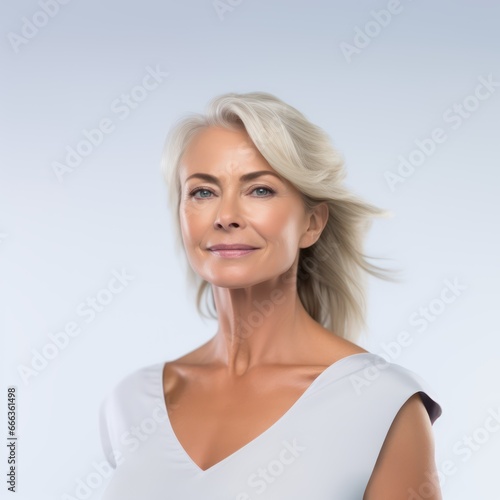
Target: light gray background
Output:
[(60, 241)]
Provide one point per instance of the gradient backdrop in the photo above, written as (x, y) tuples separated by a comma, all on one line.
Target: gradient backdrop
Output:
[(410, 94)]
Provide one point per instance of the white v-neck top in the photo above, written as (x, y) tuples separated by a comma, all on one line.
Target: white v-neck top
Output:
[(323, 448)]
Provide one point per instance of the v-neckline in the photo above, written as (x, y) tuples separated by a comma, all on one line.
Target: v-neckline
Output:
[(290, 410)]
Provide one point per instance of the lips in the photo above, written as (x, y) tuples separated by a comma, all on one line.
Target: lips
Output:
[(234, 246)]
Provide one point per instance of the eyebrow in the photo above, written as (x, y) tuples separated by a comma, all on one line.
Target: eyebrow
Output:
[(244, 178)]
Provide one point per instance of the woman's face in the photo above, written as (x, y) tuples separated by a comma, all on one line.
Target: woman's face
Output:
[(219, 205)]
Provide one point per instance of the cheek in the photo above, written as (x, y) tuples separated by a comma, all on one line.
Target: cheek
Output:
[(190, 223), (283, 232)]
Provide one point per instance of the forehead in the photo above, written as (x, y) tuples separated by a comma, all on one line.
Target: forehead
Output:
[(222, 149)]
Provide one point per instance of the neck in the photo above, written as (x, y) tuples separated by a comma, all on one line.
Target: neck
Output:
[(261, 324)]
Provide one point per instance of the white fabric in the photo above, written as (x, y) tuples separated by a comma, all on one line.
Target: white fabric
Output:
[(323, 448)]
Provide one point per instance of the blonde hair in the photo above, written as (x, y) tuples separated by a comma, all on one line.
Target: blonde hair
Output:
[(331, 273)]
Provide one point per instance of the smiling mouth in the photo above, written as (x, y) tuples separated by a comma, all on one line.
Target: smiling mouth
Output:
[(233, 252)]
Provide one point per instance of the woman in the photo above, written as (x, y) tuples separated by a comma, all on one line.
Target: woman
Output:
[(280, 403)]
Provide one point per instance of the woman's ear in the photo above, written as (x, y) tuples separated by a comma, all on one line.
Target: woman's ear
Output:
[(318, 217)]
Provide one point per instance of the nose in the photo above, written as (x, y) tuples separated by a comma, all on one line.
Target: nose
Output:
[(228, 213)]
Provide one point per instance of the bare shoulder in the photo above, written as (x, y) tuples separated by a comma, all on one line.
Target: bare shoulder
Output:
[(406, 461), (176, 370), (335, 347)]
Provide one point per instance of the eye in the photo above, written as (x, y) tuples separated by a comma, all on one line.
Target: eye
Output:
[(192, 193), (271, 191), (202, 189)]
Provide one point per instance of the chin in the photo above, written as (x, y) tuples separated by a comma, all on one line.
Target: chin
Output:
[(232, 281)]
